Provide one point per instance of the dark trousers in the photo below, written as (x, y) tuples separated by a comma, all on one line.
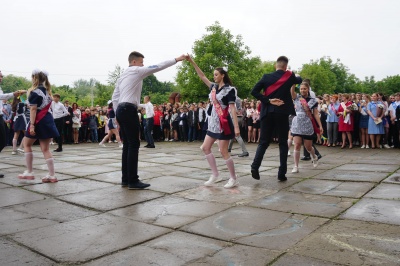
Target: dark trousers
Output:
[(148, 130), (68, 138), (129, 130), (270, 123), (2, 133), (192, 133), (59, 125), (182, 133)]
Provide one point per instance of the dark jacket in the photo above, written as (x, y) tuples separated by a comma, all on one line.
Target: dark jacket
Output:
[(282, 93), (193, 121)]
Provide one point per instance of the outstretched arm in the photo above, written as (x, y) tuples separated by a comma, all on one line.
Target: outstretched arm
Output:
[(198, 71)]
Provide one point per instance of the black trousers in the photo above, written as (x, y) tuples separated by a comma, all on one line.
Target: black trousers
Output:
[(59, 125), (149, 129), (270, 123), (129, 129), (2, 133)]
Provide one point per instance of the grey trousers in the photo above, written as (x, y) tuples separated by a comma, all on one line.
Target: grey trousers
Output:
[(332, 128), (241, 143)]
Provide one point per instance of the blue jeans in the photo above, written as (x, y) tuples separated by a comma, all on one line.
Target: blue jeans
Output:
[(129, 130), (93, 133), (149, 129)]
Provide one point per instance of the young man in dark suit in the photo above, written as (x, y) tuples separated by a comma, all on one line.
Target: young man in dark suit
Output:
[(277, 105)]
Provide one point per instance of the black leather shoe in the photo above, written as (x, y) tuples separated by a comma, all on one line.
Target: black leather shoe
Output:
[(1, 175), (319, 156), (124, 184), (138, 185), (282, 178), (306, 158), (150, 146), (147, 146), (255, 174), (229, 150), (58, 150), (244, 154)]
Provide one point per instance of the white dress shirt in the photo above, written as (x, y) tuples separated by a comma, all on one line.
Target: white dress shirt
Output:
[(129, 86), (58, 110), (149, 109)]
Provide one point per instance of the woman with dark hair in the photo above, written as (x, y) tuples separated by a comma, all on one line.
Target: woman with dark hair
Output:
[(20, 122), (112, 126), (346, 120), (41, 125), (76, 121), (220, 125)]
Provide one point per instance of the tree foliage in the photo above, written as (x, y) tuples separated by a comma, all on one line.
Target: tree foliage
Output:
[(219, 48), (13, 83)]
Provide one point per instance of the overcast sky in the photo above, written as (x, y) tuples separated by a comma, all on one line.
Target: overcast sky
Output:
[(85, 38)]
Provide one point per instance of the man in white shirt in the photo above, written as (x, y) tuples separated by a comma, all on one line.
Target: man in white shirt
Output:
[(59, 113), (148, 106), (5, 96), (126, 98)]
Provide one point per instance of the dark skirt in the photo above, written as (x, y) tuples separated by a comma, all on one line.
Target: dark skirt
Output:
[(20, 123), (257, 124), (222, 136), (249, 121), (110, 124), (364, 121), (45, 129)]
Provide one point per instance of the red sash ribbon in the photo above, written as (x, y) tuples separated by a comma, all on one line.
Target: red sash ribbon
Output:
[(222, 114), (39, 115), (272, 88), (308, 112)]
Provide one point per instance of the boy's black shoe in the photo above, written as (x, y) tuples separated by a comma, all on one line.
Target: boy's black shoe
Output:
[(58, 150), (255, 174), (282, 178), (305, 158), (1, 175), (138, 185), (150, 146)]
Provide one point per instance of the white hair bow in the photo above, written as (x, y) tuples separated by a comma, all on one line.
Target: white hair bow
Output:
[(225, 68), (37, 71)]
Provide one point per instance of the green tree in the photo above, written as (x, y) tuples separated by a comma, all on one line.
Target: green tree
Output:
[(66, 93), (13, 83), (103, 94), (219, 48), (389, 85), (323, 80)]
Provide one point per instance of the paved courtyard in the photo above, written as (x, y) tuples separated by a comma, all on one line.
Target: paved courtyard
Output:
[(344, 212)]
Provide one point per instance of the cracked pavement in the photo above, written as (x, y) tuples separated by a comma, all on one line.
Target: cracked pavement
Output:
[(344, 212)]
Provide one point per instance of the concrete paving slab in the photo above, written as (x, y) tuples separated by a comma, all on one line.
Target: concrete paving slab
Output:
[(98, 235), (393, 179), (368, 167), (38, 214), (347, 175), (238, 255), (385, 191), (256, 227), (333, 188), (353, 243), (292, 259), (324, 206), (3, 185), (170, 211), (176, 248), (111, 197), (11, 177), (12, 254), (75, 158), (115, 176), (375, 210), (172, 184), (237, 195), (71, 186), (268, 182), (85, 170), (13, 196), (5, 166)]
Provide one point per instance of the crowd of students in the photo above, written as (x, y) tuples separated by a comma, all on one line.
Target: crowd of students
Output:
[(367, 121)]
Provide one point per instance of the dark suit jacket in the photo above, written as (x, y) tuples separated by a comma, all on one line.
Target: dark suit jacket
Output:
[(192, 121), (282, 93)]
